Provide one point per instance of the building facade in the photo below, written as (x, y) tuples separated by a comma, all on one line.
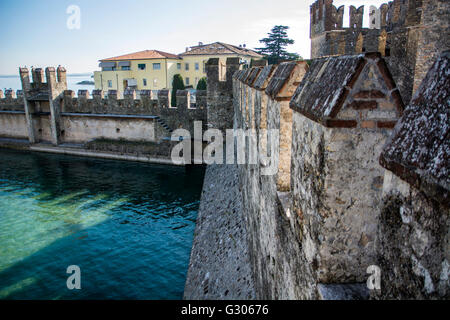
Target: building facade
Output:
[(154, 70), (144, 70)]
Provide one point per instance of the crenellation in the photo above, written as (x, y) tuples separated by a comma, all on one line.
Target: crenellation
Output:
[(82, 94), (38, 75), (113, 95), (10, 94), (61, 75)]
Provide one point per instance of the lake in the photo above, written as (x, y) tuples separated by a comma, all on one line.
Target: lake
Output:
[(128, 226)]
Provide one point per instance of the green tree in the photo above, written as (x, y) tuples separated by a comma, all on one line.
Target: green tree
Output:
[(177, 84), (275, 46), (201, 85)]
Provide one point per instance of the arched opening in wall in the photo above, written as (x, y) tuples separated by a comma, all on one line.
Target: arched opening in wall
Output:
[(382, 43), (359, 44)]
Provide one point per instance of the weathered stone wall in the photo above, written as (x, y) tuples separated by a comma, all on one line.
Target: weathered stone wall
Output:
[(279, 269), (182, 115), (220, 112), (413, 243), (13, 125), (433, 36), (84, 118), (81, 129), (11, 101), (410, 33), (336, 189), (313, 236)]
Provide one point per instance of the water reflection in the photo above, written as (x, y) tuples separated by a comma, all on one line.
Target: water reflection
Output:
[(129, 226)]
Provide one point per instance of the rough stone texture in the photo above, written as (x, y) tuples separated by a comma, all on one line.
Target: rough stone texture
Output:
[(264, 77), (411, 33), (283, 82), (414, 232), (419, 150), (13, 124), (413, 244), (219, 267), (279, 269), (53, 114), (253, 75), (353, 89), (160, 149), (357, 291), (336, 189), (12, 101), (325, 231), (434, 36), (182, 115), (220, 111)]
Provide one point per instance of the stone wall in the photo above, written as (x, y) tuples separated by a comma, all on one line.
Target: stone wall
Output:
[(410, 33), (413, 243), (414, 231), (220, 111), (53, 114), (279, 270), (13, 125), (312, 226)]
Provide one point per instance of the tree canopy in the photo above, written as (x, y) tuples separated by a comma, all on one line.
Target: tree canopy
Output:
[(177, 84), (275, 46), (201, 85)]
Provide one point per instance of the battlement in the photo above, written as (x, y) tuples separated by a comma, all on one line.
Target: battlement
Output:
[(398, 13), (146, 103), (54, 78), (220, 92)]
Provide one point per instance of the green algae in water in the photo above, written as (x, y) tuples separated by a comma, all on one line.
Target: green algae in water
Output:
[(128, 226)]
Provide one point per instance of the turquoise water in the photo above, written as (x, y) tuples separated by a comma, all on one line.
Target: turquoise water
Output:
[(128, 226)]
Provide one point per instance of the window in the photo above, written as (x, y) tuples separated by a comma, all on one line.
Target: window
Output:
[(157, 66), (179, 66), (187, 81), (204, 67), (141, 66), (186, 66), (125, 68), (109, 83), (197, 67), (144, 82)]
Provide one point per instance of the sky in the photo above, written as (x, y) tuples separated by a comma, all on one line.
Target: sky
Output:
[(36, 33)]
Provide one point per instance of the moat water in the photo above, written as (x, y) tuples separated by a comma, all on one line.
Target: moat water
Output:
[(128, 226)]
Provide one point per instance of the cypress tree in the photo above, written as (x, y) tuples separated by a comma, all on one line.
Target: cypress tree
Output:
[(201, 85), (177, 84)]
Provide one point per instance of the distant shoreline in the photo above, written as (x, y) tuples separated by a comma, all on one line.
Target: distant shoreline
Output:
[(69, 75)]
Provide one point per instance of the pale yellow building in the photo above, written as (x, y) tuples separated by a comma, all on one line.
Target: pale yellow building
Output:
[(195, 58), (144, 70), (154, 70)]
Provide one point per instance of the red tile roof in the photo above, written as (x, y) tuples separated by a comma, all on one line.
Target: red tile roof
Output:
[(220, 48), (144, 55)]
